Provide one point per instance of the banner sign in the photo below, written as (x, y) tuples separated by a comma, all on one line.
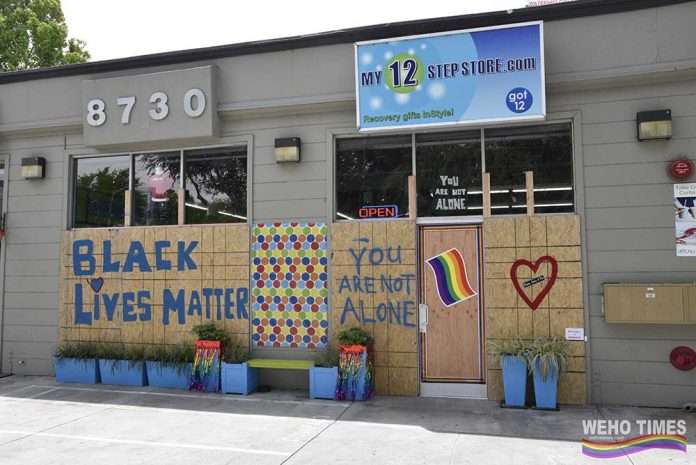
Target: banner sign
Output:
[(475, 76), (685, 219)]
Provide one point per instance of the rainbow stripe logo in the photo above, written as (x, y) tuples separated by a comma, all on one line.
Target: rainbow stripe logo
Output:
[(610, 450), (450, 276)]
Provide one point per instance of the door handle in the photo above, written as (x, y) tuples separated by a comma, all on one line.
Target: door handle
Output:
[(422, 317)]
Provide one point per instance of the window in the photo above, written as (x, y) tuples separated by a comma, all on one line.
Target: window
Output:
[(547, 151), (372, 171), (216, 185), (155, 188), (99, 193), (448, 174)]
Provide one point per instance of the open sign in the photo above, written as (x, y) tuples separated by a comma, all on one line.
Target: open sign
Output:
[(378, 211)]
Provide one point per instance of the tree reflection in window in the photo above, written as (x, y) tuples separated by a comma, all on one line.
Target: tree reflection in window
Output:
[(100, 187), (372, 171), (216, 185)]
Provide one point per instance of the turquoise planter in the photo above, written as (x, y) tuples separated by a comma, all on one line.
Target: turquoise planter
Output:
[(76, 370), (168, 376), (122, 372), (322, 382), (545, 391), (239, 378), (514, 380)]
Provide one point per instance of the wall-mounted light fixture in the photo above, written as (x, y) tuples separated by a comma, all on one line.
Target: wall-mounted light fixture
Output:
[(33, 167), (654, 125), (287, 150)]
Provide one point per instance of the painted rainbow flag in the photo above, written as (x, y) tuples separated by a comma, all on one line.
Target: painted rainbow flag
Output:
[(450, 276), (610, 450)]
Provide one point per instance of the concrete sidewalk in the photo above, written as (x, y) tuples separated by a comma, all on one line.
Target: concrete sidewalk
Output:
[(44, 423)]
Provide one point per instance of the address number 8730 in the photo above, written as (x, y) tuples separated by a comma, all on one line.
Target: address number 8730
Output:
[(194, 106)]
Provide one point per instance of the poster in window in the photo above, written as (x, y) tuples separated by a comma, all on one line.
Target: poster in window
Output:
[(685, 219), (448, 197)]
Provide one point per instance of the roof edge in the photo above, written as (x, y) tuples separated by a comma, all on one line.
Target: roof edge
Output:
[(577, 9)]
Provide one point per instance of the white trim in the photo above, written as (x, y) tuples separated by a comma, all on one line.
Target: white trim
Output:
[(449, 220), (446, 33), (462, 124), (5, 158), (454, 390)]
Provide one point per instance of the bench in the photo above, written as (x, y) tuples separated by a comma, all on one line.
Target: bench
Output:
[(316, 380), (280, 364)]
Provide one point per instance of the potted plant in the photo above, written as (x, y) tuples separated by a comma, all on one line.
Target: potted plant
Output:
[(546, 358), (76, 362), (207, 358), (513, 355), (169, 366), (122, 365), (355, 369), (237, 376), (323, 377)]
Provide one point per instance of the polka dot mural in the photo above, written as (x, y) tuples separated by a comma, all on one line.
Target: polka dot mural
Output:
[(289, 285)]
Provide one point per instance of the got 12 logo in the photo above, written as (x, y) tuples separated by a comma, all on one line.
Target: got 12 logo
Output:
[(519, 100)]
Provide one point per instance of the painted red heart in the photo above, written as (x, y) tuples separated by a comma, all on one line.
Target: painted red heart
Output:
[(550, 280)]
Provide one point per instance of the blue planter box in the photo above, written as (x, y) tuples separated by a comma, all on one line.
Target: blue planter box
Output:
[(122, 372), (514, 380), (168, 376), (76, 370), (545, 391), (322, 382), (239, 378)]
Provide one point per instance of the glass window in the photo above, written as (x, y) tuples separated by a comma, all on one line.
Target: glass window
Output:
[(372, 171), (155, 186), (216, 185), (100, 187), (448, 174), (546, 150)]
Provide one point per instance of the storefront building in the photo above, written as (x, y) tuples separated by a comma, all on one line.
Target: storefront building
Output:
[(287, 189)]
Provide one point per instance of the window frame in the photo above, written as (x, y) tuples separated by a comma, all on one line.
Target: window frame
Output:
[(245, 142), (334, 136)]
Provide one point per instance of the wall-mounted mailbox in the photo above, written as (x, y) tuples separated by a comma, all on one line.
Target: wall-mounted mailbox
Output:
[(650, 303)]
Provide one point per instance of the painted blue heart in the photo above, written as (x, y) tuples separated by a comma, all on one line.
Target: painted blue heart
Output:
[(96, 284)]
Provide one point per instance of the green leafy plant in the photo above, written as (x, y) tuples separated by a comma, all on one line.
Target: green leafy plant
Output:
[(327, 358), (354, 336), (115, 353), (210, 332), (235, 352), (82, 350), (178, 355), (551, 355), (511, 347)]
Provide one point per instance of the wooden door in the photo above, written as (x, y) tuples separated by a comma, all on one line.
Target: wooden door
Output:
[(451, 348)]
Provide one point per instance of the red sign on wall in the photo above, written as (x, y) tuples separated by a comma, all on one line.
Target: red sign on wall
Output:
[(681, 169)]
